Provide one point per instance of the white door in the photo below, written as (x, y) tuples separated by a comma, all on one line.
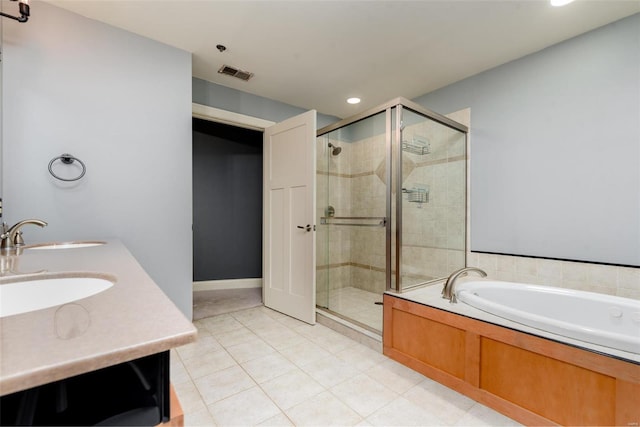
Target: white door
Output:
[(289, 278)]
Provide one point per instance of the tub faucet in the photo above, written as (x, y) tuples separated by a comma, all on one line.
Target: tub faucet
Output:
[(448, 291), (12, 236)]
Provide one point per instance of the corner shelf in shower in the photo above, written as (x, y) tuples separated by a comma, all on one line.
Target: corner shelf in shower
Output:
[(418, 145), (367, 221), (417, 195)]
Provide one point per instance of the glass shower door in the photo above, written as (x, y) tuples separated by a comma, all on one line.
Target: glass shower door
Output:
[(352, 194)]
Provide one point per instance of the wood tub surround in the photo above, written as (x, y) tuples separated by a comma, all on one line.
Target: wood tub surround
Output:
[(534, 380)]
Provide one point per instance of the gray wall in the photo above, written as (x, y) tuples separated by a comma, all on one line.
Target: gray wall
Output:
[(227, 202), (122, 104), (555, 149), (224, 98)]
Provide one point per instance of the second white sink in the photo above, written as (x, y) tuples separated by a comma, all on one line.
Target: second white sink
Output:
[(64, 245), (22, 296)]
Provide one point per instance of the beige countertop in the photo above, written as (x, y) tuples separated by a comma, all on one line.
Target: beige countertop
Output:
[(131, 319)]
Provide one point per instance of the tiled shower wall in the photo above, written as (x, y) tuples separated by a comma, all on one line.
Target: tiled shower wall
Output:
[(368, 199), (433, 233)]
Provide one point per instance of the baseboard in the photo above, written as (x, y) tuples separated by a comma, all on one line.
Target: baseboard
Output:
[(215, 285)]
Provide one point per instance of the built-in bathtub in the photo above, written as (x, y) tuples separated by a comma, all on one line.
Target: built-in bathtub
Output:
[(496, 355), (600, 319)]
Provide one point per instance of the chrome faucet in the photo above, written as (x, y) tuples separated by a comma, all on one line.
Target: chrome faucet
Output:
[(12, 236), (448, 291)]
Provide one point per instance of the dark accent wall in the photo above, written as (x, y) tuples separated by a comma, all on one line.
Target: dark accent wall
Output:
[(227, 202)]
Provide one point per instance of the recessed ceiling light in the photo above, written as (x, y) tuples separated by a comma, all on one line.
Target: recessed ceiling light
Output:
[(353, 100), (560, 2)]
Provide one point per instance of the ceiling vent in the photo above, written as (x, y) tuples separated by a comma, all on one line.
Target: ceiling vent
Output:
[(234, 72)]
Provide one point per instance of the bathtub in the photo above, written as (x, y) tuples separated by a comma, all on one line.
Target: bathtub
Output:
[(600, 319)]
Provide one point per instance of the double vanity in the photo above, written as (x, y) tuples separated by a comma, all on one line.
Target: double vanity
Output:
[(83, 324)]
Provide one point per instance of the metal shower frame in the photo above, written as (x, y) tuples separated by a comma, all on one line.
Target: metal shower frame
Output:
[(393, 166)]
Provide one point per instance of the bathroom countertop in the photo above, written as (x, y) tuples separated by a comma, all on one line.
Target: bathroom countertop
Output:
[(131, 319), (431, 296)]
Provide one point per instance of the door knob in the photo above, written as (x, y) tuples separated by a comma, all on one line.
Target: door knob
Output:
[(306, 227)]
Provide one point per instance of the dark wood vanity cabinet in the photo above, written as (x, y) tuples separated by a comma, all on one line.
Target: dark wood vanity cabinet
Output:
[(129, 394)]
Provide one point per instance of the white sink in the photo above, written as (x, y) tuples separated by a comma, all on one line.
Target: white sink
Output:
[(22, 295), (63, 245)]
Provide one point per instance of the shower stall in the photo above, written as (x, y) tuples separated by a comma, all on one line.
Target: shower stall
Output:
[(391, 207)]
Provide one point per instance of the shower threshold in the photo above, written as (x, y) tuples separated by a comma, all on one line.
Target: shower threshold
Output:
[(350, 328)]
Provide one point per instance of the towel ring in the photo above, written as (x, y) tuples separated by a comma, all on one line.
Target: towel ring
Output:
[(67, 159)]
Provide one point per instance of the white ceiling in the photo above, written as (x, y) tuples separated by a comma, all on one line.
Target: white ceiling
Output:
[(315, 54)]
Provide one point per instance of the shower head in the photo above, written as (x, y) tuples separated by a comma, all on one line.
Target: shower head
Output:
[(336, 150)]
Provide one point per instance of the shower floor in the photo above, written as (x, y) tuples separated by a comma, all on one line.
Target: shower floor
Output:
[(355, 304)]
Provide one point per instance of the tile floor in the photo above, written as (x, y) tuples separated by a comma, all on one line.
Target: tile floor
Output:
[(259, 367), (220, 301)]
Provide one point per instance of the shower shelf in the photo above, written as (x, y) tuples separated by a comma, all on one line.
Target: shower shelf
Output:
[(418, 145), (371, 221), (417, 195)]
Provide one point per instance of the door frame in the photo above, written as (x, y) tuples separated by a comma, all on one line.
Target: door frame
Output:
[(217, 115), (230, 118), (213, 114)]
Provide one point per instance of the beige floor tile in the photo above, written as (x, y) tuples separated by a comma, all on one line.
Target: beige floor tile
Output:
[(480, 415), (397, 377), (202, 330), (246, 408), (282, 338), (235, 337), (317, 376), (290, 322), (208, 303), (280, 420), (199, 418), (363, 394), (178, 372), (330, 340), (205, 344), (304, 353), (330, 371), (323, 410), (272, 313), (250, 350), (402, 412), (268, 326), (219, 324), (448, 404), (361, 357), (189, 396), (209, 363), (268, 367), (252, 317), (292, 388), (222, 384)]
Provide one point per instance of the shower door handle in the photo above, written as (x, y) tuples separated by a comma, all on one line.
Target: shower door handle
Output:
[(306, 227)]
